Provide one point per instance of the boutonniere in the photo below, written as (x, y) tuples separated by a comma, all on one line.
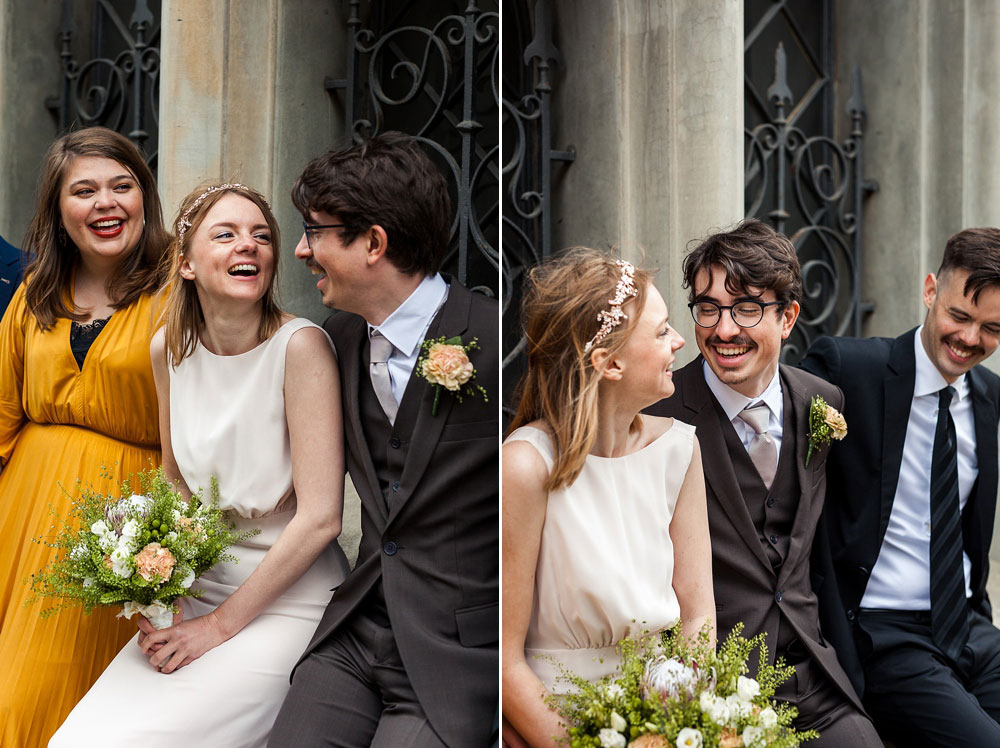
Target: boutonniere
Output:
[(445, 364), (825, 423)]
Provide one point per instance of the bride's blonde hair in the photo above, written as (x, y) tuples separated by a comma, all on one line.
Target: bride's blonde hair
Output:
[(560, 310)]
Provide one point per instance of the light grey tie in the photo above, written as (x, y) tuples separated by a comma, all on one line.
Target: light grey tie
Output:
[(762, 449), (381, 349)]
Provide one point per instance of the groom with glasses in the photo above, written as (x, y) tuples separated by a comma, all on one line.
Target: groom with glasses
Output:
[(405, 655), (752, 419)]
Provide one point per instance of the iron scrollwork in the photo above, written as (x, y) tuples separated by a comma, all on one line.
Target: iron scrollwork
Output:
[(527, 174), (824, 208), (439, 83), (118, 87)]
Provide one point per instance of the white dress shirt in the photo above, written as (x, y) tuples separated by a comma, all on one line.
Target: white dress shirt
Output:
[(733, 402), (901, 577), (406, 328)]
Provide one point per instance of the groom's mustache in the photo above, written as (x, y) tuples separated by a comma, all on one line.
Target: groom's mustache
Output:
[(735, 340)]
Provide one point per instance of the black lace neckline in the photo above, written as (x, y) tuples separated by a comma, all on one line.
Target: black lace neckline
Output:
[(82, 336), (90, 328)]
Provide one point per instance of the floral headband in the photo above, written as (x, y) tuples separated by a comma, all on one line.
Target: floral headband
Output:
[(611, 317), (185, 223)]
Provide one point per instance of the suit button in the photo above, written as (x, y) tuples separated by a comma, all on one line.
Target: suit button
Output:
[(394, 442), (863, 571), (773, 539), (389, 548), (770, 502), (777, 596), (850, 615), (395, 486)]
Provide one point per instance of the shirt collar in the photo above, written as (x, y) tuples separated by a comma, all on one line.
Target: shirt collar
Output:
[(928, 380), (733, 402), (405, 327)]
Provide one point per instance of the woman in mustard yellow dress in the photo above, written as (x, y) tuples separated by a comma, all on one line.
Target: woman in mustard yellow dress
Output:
[(77, 400)]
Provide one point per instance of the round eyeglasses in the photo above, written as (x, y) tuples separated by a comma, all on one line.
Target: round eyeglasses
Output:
[(745, 313)]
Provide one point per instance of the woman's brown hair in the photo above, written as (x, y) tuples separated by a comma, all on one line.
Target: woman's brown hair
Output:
[(560, 316), (182, 313), (50, 273)]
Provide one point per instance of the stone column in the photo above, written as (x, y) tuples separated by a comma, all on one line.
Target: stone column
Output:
[(242, 97), (652, 100), (930, 71), (30, 72)]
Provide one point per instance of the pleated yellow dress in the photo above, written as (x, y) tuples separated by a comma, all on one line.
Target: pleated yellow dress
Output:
[(60, 423)]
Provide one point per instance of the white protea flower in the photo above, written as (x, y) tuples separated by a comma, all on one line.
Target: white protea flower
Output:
[(671, 678)]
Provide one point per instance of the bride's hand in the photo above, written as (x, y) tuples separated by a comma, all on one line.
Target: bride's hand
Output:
[(184, 643), (146, 628)]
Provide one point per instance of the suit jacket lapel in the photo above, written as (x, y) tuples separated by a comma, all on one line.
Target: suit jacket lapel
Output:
[(452, 320), (983, 409), (719, 474), (898, 393), (351, 370), (806, 513)]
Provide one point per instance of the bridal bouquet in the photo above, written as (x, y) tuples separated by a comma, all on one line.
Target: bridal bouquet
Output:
[(142, 552), (670, 692)]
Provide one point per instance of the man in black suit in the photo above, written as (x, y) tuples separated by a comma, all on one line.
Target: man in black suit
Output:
[(912, 492), (406, 653), (11, 270)]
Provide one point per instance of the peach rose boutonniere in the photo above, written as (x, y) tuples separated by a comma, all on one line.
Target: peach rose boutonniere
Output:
[(825, 423), (445, 364)]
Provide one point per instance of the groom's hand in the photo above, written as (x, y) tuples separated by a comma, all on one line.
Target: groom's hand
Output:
[(146, 628)]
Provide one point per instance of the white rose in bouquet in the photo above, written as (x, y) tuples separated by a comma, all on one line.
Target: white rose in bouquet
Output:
[(611, 739), (689, 738), (747, 688), (753, 737)]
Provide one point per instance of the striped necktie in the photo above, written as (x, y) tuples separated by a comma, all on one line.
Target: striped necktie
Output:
[(949, 609)]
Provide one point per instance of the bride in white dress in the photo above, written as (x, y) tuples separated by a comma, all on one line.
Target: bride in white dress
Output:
[(605, 527), (249, 395)]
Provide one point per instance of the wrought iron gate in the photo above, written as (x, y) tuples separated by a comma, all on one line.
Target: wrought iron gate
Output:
[(432, 70), (527, 165), (115, 83), (797, 176)]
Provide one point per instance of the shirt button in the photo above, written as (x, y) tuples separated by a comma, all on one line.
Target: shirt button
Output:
[(770, 502), (774, 539), (395, 486), (389, 548), (777, 596), (394, 442)]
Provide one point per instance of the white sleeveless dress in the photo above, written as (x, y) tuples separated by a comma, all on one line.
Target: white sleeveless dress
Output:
[(606, 561), (227, 419)]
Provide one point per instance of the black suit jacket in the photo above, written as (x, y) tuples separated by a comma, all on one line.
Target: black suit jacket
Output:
[(11, 270), (437, 552), (747, 588), (877, 377)]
